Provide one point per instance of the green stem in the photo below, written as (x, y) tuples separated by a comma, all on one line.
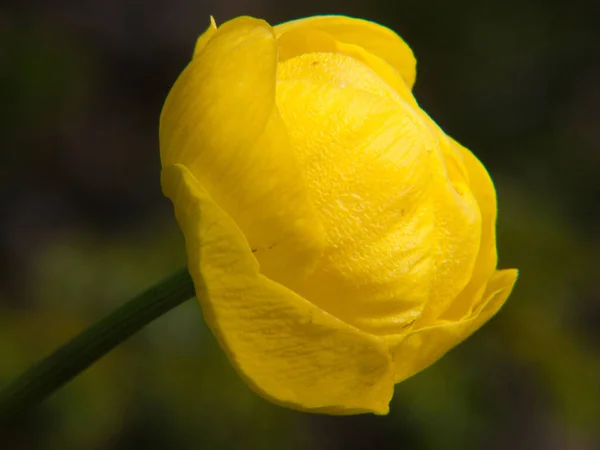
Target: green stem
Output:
[(45, 377)]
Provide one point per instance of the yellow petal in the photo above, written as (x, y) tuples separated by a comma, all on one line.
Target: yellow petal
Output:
[(220, 120), (467, 167), (237, 64), (398, 234), (425, 346), (482, 187), (300, 41), (374, 38), (287, 349)]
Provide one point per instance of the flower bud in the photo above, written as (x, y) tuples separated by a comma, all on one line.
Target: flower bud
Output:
[(339, 241)]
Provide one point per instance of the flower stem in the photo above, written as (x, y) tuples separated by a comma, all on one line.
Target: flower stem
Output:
[(49, 374)]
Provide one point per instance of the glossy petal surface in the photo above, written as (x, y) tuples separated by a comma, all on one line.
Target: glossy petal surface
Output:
[(221, 121), (285, 347), (339, 240), (399, 233), (467, 167)]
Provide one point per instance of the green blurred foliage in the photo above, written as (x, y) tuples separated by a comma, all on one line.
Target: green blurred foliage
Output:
[(84, 227)]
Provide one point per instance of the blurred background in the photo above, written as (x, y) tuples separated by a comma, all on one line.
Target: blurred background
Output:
[(84, 226)]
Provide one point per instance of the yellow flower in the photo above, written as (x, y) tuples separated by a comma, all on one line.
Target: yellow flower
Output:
[(339, 241)]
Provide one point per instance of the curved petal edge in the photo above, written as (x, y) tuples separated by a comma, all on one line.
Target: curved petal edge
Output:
[(286, 348), (423, 347), (374, 38)]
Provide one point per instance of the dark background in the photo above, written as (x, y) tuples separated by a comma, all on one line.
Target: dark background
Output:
[(83, 226)]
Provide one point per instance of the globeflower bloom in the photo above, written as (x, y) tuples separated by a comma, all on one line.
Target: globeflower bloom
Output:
[(338, 240)]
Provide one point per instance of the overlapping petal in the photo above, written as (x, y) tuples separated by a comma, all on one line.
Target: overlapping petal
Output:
[(338, 239), (398, 234), (482, 187), (301, 41), (220, 120), (471, 174), (288, 349), (424, 346), (376, 39)]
